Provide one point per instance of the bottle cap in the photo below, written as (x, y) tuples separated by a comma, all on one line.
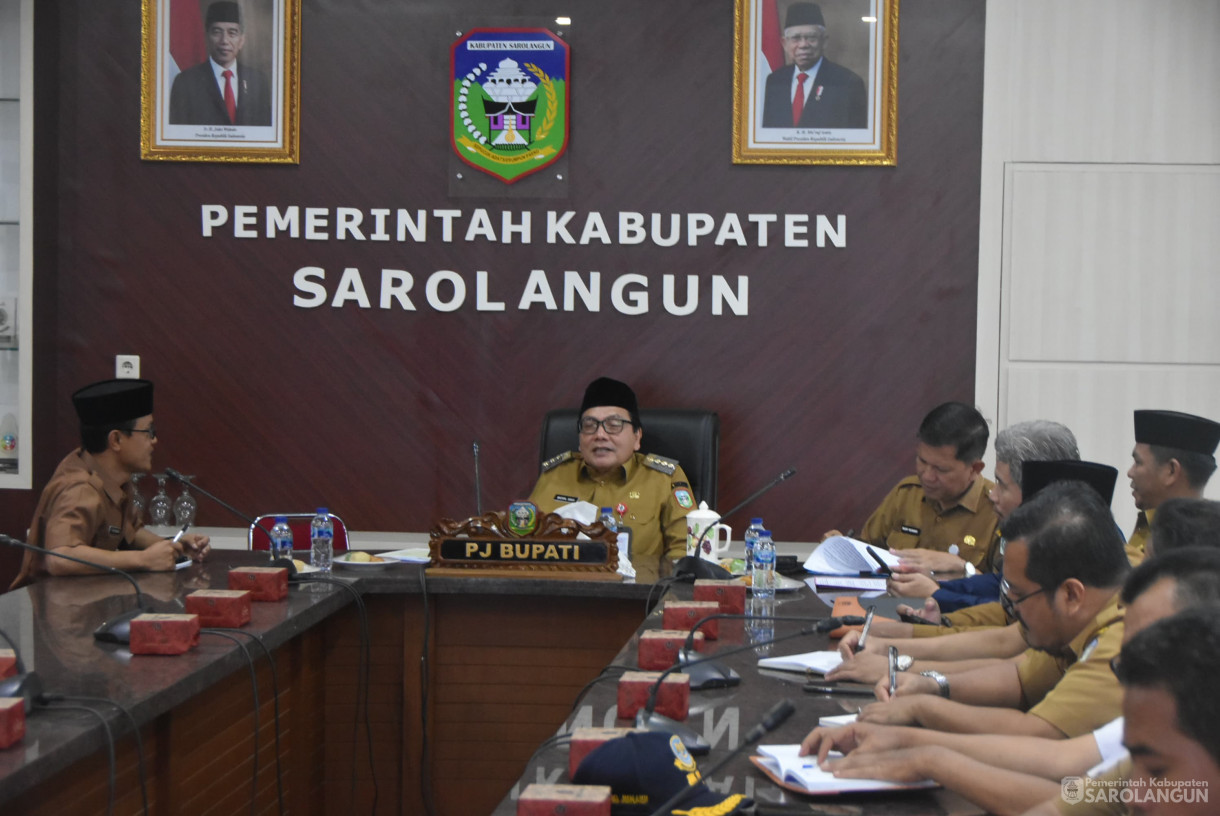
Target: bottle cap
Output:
[(281, 519), (757, 521), (323, 511)]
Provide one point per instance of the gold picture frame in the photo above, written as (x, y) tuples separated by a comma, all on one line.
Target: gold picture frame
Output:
[(182, 114), (837, 121)]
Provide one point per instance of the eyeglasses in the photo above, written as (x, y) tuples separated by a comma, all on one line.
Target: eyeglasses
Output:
[(804, 38), (151, 430), (1115, 664), (613, 425), (1010, 604)]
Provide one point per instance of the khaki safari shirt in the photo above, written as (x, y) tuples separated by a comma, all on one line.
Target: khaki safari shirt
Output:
[(1137, 544), (1077, 692), (906, 520), (79, 506), (654, 490)]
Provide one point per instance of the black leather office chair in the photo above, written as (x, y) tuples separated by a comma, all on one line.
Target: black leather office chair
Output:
[(691, 437)]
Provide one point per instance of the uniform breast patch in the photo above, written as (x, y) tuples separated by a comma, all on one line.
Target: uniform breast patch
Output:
[(909, 530), (115, 530), (561, 497)]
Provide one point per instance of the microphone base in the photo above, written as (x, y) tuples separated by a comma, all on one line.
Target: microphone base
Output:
[(692, 739), (117, 629), (27, 686), (707, 675)]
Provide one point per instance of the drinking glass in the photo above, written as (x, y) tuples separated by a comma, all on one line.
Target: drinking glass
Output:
[(160, 506)]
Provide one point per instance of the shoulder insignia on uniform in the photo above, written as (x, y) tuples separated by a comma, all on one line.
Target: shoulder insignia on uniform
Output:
[(666, 466), (555, 461)]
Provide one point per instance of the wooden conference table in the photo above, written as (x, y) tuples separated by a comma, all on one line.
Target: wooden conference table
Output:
[(468, 677)]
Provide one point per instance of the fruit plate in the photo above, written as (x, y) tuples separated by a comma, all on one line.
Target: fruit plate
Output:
[(342, 561)]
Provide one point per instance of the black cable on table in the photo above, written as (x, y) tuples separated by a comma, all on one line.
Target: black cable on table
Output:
[(275, 691), (254, 686), (55, 698), (362, 681), (109, 742)]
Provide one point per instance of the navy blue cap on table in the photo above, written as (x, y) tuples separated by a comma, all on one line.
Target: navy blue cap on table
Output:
[(644, 770)]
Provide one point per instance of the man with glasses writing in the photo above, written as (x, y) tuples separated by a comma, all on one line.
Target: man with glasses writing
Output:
[(86, 508), (648, 493)]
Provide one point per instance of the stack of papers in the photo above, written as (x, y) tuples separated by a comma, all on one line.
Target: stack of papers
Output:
[(840, 555), (802, 774)]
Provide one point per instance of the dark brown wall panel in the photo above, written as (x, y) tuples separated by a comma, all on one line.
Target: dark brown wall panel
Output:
[(373, 412)]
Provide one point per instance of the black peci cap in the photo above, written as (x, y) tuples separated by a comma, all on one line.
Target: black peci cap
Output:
[(112, 402), (605, 391), (1036, 475), (1174, 429), (804, 14)]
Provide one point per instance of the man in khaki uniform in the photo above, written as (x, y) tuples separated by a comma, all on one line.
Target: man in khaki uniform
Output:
[(941, 517), (1063, 567), (86, 508), (650, 494), (1174, 456)]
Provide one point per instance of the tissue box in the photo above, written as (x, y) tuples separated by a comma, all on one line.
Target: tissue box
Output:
[(8, 662), (564, 800), (220, 607), (659, 648), (584, 740), (673, 697), (164, 634), (264, 583), (685, 614), (12, 721), (730, 595)]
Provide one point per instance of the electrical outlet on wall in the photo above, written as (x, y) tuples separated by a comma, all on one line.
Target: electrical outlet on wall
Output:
[(127, 366)]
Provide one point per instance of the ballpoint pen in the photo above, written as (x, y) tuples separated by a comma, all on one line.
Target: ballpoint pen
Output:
[(868, 622), (893, 671), (178, 536)]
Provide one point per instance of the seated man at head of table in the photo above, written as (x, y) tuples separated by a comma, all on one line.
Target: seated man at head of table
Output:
[(86, 509), (1174, 456), (940, 519), (649, 493)]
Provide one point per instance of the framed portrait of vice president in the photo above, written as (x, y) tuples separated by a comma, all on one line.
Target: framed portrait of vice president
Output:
[(815, 82), (220, 80)]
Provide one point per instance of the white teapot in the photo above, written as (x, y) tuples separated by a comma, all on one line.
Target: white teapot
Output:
[(702, 523)]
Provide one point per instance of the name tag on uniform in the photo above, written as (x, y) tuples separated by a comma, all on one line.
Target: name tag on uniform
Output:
[(909, 530), (115, 530), (563, 498)]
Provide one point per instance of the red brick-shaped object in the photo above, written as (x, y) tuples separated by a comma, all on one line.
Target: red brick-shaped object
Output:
[(730, 595), (564, 800), (685, 614), (164, 634), (673, 696), (584, 740), (264, 583), (8, 662), (12, 721), (220, 607), (659, 648)]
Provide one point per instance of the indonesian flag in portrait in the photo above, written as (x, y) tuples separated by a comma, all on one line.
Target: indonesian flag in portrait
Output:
[(772, 56), (186, 36)]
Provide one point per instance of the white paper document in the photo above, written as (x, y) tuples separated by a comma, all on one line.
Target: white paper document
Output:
[(822, 583), (820, 662), (803, 772), (840, 555)]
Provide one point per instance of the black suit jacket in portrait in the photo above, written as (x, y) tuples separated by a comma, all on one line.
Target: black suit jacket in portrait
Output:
[(843, 102), (195, 98)]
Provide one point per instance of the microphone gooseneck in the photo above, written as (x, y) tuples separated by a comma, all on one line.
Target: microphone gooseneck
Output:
[(118, 628), (176, 476), (787, 474)]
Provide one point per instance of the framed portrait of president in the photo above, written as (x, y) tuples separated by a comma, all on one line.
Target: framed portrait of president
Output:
[(220, 80), (815, 82)]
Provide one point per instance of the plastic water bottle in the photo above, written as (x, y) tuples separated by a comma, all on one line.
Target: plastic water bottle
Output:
[(281, 539), (321, 540), (764, 566), (751, 538), (608, 519)]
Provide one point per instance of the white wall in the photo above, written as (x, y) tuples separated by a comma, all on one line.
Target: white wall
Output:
[(1099, 236)]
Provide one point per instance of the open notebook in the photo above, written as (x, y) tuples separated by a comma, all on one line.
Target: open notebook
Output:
[(819, 662), (802, 774)]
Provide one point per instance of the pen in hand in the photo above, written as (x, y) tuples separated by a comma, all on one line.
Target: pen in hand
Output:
[(893, 671), (868, 622), (178, 536)]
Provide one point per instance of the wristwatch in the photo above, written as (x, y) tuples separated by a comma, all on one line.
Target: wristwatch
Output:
[(941, 681), (971, 570), (904, 662)]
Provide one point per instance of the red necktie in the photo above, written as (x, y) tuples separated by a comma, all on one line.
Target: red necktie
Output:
[(798, 101), (230, 102)]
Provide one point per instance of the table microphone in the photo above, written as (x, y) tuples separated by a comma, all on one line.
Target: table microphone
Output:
[(26, 685), (648, 719), (118, 628), (696, 567), (709, 674), (478, 487), (772, 720), (286, 563)]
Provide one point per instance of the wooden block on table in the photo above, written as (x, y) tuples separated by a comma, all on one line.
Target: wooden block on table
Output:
[(585, 740), (564, 800), (730, 595), (164, 634), (685, 614), (220, 607), (12, 721), (264, 583), (659, 648), (673, 695)]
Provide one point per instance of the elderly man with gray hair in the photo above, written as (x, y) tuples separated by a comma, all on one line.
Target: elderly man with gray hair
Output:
[(1038, 440)]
